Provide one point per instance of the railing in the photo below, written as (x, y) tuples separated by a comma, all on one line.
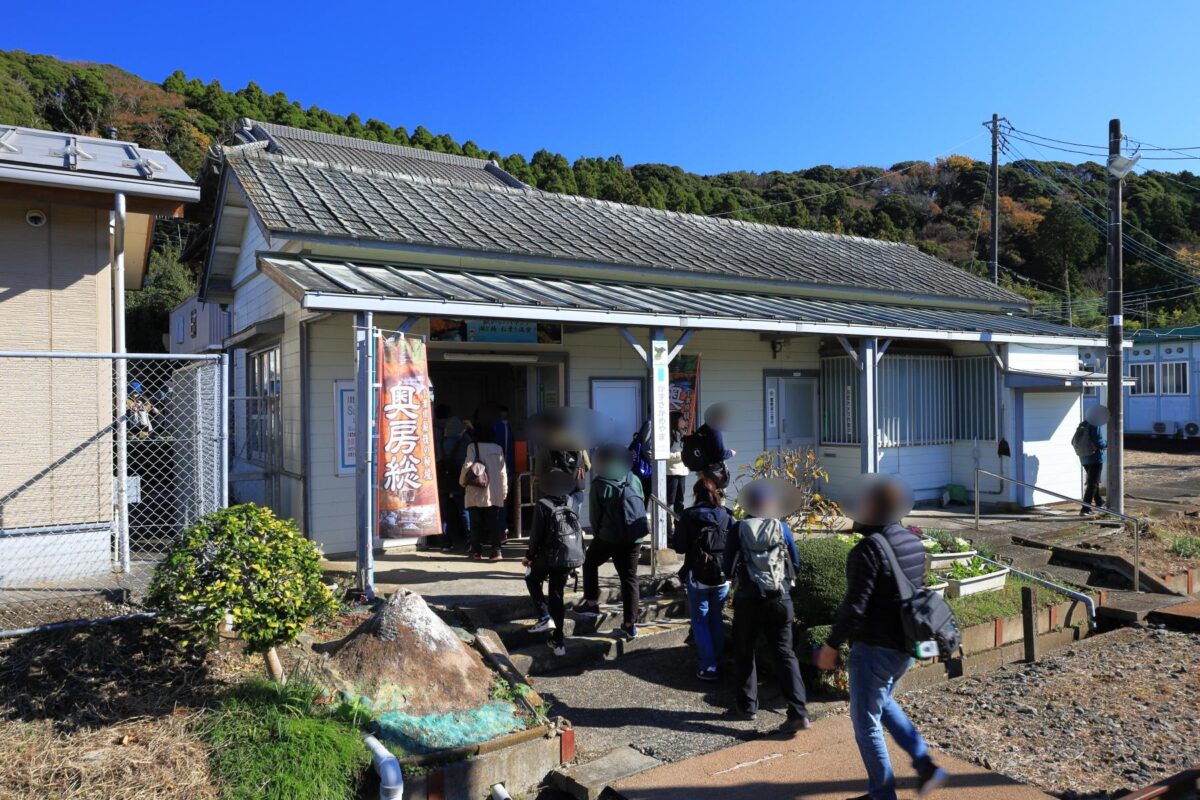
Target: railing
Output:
[(1137, 523)]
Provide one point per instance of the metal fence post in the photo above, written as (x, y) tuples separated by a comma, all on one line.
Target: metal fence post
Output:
[(364, 357), (976, 498), (223, 415)]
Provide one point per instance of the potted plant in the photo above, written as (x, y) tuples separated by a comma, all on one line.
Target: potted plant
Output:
[(975, 576), (936, 583), (942, 551)]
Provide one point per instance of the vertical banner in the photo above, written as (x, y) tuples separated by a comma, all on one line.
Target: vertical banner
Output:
[(685, 389), (406, 480), (661, 407), (345, 408)]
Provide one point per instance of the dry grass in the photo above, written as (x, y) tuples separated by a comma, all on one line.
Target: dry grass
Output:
[(136, 759)]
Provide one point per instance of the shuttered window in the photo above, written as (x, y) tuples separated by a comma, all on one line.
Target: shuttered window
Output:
[(916, 395), (839, 401), (975, 397)]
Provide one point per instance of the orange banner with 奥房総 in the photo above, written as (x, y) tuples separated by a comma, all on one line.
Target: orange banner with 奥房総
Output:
[(406, 489)]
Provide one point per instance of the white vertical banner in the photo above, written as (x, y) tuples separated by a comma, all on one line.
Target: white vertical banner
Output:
[(660, 367)]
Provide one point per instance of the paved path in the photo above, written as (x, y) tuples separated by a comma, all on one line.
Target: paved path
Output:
[(818, 764)]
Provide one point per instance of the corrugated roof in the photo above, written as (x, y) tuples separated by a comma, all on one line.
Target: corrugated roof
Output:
[(487, 291), (334, 150), (310, 198), (28, 155)]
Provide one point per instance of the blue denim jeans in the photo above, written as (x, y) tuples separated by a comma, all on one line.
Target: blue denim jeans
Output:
[(708, 628), (874, 674)]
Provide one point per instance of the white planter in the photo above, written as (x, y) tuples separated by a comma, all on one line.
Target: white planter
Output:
[(982, 583), (938, 588), (936, 562)]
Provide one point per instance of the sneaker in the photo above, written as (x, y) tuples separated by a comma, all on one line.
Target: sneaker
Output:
[(586, 609), (709, 674), (559, 648), (930, 782), (738, 714), (476, 556), (494, 557), (542, 625), (795, 725), (447, 549), (629, 632), (1086, 512)]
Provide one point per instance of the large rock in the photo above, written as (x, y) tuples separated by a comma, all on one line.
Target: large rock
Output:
[(405, 658)]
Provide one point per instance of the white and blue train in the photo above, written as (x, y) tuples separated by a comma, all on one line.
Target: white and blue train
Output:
[(1162, 398)]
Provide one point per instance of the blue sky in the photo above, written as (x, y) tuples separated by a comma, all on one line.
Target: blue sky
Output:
[(710, 86)]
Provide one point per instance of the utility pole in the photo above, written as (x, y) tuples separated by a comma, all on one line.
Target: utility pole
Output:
[(995, 259), (1116, 329), (1067, 288)]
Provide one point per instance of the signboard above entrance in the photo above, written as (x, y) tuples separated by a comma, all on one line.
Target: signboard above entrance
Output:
[(497, 331)]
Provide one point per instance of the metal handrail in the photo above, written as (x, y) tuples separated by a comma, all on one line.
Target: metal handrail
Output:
[(1137, 523)]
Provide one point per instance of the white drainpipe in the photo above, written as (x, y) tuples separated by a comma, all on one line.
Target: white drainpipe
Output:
[(121, 381), (391, 779)]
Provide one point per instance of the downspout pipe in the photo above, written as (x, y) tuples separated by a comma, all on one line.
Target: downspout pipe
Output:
[(121, 380), (391, 779)]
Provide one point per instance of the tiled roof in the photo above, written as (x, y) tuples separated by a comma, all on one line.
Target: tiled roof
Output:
[(310, 197), (441, 288), (330, 149)]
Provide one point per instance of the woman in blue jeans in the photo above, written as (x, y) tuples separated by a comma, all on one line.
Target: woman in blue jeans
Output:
[(700, 537)]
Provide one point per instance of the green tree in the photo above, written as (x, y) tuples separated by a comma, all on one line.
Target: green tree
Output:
[(147, 312), (1064, 243)]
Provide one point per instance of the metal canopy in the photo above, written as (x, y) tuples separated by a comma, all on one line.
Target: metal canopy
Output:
[(339, 285), (1050, 380)]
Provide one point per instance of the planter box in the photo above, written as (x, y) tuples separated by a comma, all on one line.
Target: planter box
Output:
[(983, 583), (938, 588), (936, 562)]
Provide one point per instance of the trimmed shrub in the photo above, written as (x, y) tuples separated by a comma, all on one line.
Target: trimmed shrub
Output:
[(821, 581), (246, 562)]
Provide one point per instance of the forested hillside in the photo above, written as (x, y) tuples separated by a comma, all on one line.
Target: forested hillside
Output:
[(1051, 212)]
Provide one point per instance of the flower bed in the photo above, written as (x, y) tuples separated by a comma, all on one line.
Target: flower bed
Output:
[(974, 576), (943, 551)]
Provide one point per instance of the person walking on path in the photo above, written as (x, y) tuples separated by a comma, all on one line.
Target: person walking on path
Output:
[(617, 509), (870, 619), (762, 558), (485, 480), (677, 471), (555, 550), (1090, 445), (701, 537)]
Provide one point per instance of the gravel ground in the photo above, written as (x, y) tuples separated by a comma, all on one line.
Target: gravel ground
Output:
[(653, 702), (1147, 471), (1108, 715)]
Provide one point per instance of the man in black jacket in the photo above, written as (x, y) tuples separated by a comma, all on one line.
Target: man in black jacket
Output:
[(869, 618)]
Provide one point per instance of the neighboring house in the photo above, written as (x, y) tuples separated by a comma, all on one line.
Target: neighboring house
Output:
[(59, 194), (531, 298), (1161, 369), (198, 327)]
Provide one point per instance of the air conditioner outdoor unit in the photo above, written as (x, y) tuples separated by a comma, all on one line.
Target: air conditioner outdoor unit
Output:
[(1192, 429), (1166, 428)]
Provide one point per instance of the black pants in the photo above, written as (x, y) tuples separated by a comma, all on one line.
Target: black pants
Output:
[(675, 493), (554, 604), (625, 559), (772, 618), (1091, 486), (487, 523)]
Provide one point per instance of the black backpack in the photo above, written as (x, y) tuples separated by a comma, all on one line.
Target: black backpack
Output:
[(625, 510), (700, 449), (564, 460), (564, 536), (705, 552), (929, 625)]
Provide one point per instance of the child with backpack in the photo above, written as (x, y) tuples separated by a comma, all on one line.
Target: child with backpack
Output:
[(617, 509), (704, 450), (555, 550), (701, 537), (762, 559)]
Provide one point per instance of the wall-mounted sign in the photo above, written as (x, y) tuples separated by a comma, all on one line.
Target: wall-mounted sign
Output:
[(496, 331), (344, 423)]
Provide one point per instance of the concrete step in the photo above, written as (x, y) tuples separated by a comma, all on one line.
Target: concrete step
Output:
[(538, 659), (1136, 606), (589, 781), (1179, 617), (517, 633), (1059, 573), (1023, 558)]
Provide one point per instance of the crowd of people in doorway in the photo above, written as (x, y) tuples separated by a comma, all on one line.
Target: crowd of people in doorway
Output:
[(887, 618)]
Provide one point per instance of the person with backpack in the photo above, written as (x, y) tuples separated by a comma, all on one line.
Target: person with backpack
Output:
[(455, 442), (677, 471), (617, 509), (701, 537), (641, 454), (485, 480), (574, 463), (885, 574), (762, 559), (555, 550), (1090, 445), (704, 450)]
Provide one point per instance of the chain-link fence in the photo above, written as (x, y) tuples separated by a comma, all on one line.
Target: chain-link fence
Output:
[(73, 545)]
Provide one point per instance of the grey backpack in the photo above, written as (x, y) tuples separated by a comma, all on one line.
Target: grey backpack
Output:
[(765, 554), (1082, 441)]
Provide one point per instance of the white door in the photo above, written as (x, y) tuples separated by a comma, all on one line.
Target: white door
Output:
[(1048, 421), (791, 413), (620, 399)]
